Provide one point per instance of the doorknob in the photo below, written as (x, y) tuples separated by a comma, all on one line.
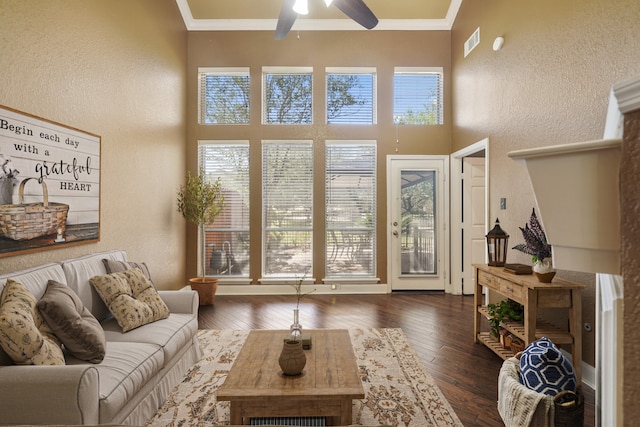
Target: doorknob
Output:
[(395, 233)]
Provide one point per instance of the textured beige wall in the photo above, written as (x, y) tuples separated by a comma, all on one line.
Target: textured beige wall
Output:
[(630, 194), (382, 50), (549, 85), (115, 68)]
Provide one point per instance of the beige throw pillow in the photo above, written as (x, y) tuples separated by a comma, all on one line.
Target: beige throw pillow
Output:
[(24, 335), (131, 298), (72, 322)]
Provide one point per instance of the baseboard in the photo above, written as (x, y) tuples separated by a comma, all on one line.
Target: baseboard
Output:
[(323, 289)]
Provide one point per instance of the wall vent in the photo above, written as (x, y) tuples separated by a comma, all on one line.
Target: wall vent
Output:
[(472, 42)]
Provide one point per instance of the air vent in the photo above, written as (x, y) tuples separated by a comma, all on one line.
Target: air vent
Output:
[(472, 42)]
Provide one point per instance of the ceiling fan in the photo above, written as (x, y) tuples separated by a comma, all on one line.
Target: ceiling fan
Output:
[(354, 9)]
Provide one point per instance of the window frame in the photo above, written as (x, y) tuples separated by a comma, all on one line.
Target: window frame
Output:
[(265, 277), (272, 70), (439, 71), (355, 228), (245, 144), (203, 72), (354, 71)]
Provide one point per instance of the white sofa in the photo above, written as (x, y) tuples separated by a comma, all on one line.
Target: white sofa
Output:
[(138, 372)]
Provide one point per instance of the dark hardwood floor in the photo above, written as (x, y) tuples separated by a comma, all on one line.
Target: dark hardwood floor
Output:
[(439, 327)]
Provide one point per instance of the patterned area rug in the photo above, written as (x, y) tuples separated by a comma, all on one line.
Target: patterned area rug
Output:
[(399, 391)]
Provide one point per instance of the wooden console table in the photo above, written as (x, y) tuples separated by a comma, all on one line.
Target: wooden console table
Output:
[(532, 294)]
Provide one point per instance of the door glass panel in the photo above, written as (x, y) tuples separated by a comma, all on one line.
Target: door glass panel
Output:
[(418, 206)]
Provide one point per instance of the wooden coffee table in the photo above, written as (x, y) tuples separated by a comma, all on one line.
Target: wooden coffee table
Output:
[(256, 386)]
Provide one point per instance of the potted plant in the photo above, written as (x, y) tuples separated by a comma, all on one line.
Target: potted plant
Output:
[(536, 245), (200, 201), (506, 310)]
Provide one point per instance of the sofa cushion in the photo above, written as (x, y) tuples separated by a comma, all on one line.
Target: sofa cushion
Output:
[(131, 298), (543, 368), (35, 278), (115, 266), (78, 271), (173, 333), (72, 322), (24, 335), (126, 369)]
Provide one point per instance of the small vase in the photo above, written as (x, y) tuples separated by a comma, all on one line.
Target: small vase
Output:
[(292, 358), (544, 270), (296, 327)]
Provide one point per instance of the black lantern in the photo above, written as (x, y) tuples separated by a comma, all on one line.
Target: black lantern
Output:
[(497, 245)]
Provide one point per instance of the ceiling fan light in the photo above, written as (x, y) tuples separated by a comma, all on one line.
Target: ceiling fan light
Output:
[(301, 7), (328, 2)]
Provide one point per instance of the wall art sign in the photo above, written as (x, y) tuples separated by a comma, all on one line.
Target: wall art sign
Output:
[(49, 184)]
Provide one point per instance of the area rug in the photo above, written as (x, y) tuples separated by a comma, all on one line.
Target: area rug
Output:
[(398, 389)]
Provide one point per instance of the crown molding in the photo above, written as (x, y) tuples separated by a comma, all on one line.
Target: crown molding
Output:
[(193, 24), (627, 93)]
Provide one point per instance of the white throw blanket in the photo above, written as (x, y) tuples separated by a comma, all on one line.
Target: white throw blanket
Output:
[(518, 405)]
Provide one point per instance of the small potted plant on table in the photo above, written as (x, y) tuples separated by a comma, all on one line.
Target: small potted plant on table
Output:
[(200, 201), (536, 245)]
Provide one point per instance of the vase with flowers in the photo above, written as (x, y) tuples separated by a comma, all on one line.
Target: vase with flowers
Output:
[(536, 245), (292, 358), (296, 327)]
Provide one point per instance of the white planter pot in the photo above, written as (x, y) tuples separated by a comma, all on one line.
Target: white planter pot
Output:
[(543, 266)]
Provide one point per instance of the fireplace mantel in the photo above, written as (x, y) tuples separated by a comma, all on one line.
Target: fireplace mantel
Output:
[(576, 190)]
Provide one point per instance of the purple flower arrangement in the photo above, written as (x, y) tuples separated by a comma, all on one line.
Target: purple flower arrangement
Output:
[(535, 241)]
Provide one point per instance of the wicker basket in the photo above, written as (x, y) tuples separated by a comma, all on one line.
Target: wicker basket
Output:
[(26, 221), (569, 409)]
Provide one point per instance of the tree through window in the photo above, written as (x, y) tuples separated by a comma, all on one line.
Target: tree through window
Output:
[(224, 95), (288, 95)]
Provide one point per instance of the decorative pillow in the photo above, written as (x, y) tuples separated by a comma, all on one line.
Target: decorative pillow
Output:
[(72, 322), (114, 266), (24, 335), (544, 368), (131, 298)]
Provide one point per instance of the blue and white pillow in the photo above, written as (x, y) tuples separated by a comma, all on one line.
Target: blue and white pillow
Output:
[(544, 368)]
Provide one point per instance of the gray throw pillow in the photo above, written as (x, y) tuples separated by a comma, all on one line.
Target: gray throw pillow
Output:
[(114, 266), (72, 323)]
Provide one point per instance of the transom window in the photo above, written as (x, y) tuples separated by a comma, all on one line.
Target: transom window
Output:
[(223, 95), (351, 95), (418, 96), (287, 96)]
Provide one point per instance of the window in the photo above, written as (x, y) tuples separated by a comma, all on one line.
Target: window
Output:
[(224, 96), (350, 193), (287, 208), (351, 95), (287, 95), (417, 98), (226, 242)]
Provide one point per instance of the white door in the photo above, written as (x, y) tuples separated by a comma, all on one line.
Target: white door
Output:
[(417, 229), (473, 219)]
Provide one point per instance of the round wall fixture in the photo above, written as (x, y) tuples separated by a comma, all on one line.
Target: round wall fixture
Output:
[(497, 43)]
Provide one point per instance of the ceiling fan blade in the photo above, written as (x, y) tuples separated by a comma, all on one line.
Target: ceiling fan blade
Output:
[(358, 11), (286, 19)]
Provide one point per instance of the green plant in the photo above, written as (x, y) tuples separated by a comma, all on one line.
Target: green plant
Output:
[(200, 201), (504, 311)]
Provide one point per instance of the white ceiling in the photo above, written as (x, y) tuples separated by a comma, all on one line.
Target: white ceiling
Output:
[(262, 15)]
